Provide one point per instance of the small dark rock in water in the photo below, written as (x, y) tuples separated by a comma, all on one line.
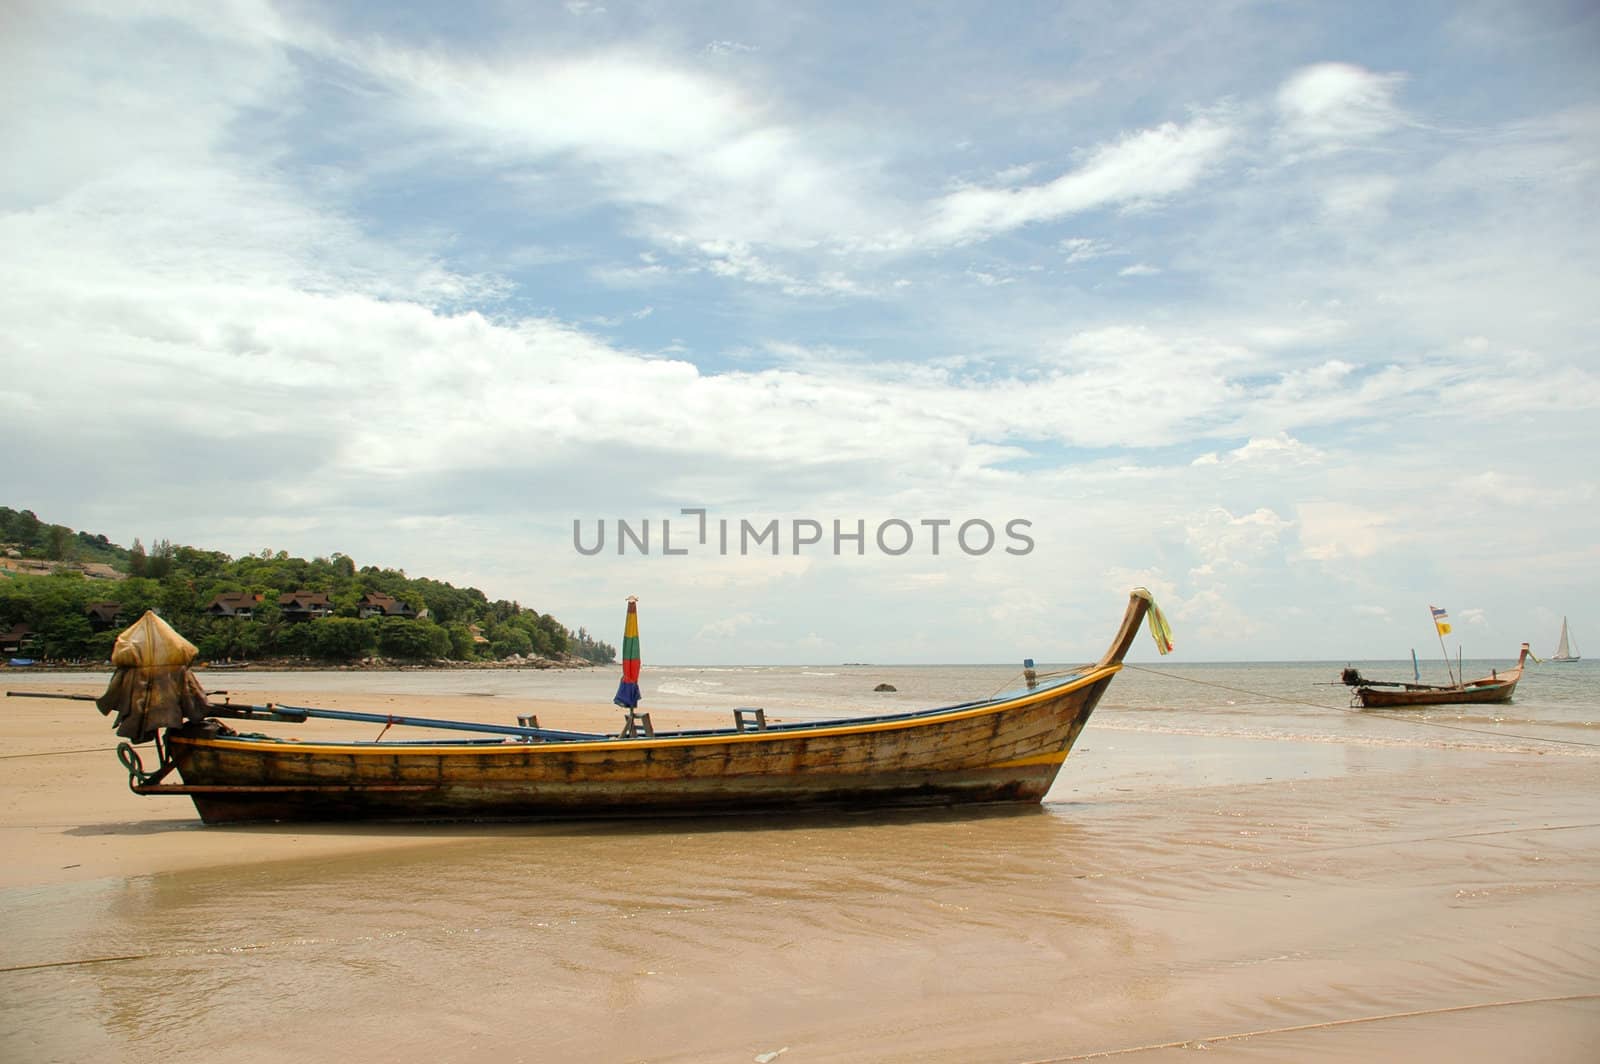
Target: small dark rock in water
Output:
[(884, 687)]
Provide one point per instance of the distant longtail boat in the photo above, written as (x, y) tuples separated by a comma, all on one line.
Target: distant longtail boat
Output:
[(1381, 694), (1385, 694)]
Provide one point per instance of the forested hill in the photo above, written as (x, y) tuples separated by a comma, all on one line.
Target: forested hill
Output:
[(64, 595)]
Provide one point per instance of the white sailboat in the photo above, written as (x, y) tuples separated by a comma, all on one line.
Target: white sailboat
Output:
[(1564, 651)]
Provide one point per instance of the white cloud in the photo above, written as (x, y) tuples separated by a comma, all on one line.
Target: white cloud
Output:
[(1330, 106), (1142, 167), (1083, 249), (1304, 330), (608, 106), (1279, 451), (1337, 531), (700, 160), (1224, 541), (1494, 487)]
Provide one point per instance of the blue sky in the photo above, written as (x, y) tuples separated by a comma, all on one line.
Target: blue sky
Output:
[(1285, 311)]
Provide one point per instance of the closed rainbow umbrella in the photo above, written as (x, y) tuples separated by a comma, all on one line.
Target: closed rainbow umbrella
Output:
[(628, 690)]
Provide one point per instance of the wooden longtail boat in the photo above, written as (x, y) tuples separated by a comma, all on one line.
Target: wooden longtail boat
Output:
[(1385, 694), (1003, 749)]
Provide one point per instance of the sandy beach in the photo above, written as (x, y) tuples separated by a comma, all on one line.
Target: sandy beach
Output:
[(70, 816), (1280, 899)]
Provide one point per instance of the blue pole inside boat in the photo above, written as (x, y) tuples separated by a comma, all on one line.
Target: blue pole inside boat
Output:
[(296, 714)]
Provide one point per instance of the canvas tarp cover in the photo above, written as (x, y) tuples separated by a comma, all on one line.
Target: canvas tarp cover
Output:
[(152, 687)]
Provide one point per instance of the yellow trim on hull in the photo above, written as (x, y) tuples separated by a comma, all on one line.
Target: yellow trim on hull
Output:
[(492, 749), (1037, 759)]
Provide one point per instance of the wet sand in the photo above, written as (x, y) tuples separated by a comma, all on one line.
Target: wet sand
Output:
[(1264, 899), (69, 815)]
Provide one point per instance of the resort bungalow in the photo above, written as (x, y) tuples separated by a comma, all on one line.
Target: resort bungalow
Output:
[(103, 616), (304, 605), (12, 640), (240, 604), (377, 604)]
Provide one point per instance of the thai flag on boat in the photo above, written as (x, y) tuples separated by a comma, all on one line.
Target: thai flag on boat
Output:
[(628, 690), (1441, 620)]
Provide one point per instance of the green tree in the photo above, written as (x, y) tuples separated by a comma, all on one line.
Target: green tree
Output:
[(588, 648), (230, 637), (341, 638), (555, 634), (508, 640), (462, 646), (401, 638), (297, 641), (24, 530), (269, 622), (101, 645), (66, 636), (136, 594), (161, 558), (57, 543)]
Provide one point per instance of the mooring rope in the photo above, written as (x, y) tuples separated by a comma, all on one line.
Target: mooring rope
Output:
[(54, 753), (79, 962)]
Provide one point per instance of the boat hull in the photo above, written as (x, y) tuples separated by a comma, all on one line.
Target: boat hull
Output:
[(1484, 692), (1003, 751)]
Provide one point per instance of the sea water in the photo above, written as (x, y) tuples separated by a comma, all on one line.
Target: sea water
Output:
[(1267, 700), (1231, 848)]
